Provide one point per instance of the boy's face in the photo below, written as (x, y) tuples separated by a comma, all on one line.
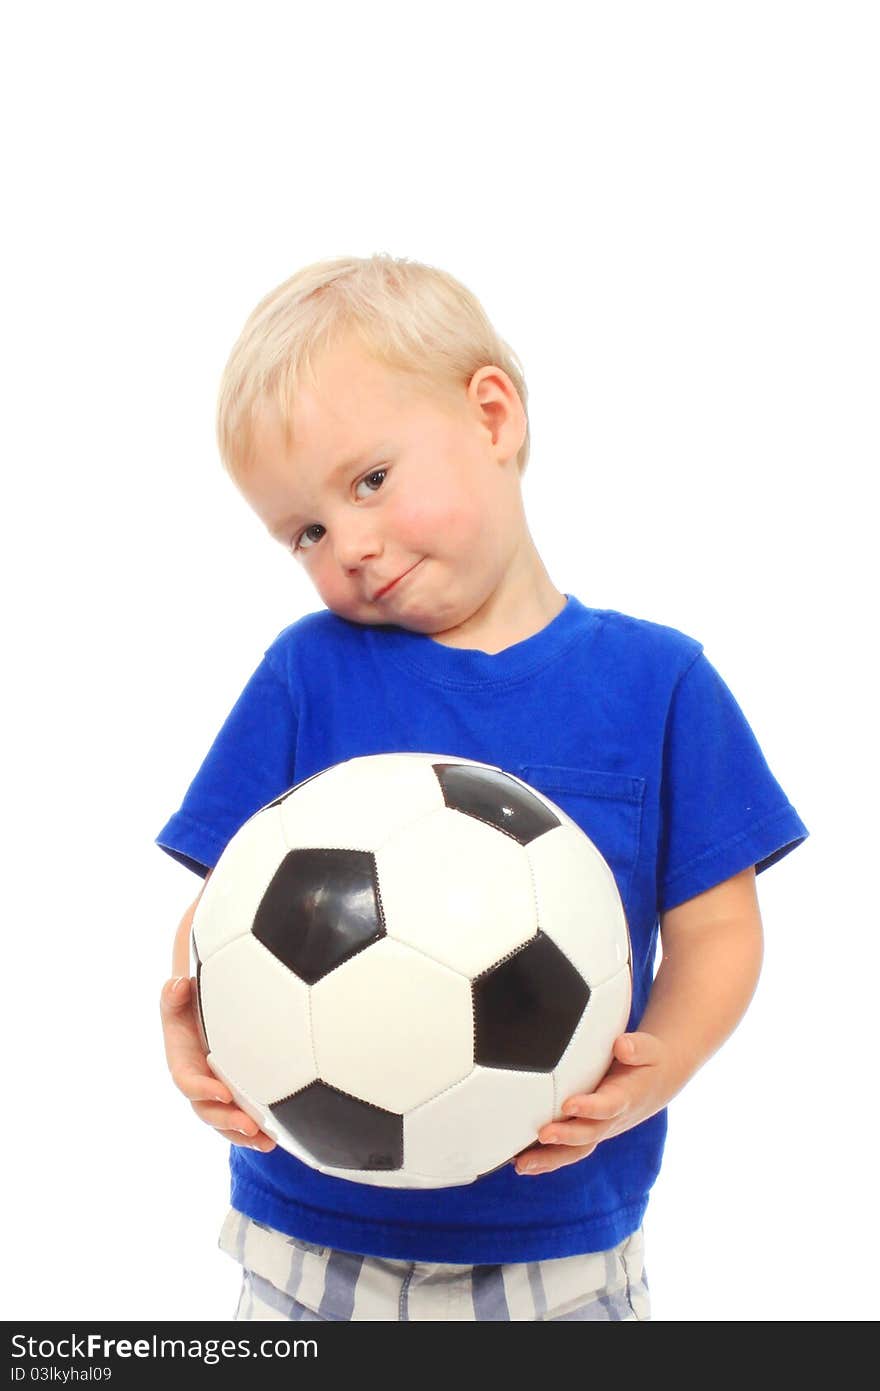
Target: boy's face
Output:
[(384, 485)]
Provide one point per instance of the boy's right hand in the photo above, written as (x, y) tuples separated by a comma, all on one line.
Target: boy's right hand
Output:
[(211, 1100)]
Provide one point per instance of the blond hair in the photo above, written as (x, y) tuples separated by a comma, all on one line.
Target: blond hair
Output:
[(411, 317)]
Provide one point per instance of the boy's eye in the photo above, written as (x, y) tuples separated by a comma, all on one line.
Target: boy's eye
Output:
[(377, 473), (304, 542)]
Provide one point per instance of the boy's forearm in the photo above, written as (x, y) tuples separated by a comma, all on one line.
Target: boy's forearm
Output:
[(701, 991), (180, 956)]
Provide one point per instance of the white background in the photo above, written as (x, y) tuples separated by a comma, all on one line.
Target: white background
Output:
[(671, 212)]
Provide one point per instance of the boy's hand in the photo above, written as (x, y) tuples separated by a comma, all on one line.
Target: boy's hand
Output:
[(636, 1086), (211, 1100)]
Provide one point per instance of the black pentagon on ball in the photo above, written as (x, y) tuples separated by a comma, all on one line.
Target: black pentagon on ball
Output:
[(495, 797), (527, 1008), (341, 1130), (321, 907)]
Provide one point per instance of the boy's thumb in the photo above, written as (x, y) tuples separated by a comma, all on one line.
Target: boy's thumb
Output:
[(637, 1048), (177, 990)]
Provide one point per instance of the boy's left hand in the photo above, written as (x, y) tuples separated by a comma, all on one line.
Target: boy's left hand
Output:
[(636, 1086)]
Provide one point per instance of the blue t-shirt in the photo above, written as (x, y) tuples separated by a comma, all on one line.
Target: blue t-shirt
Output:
[(623, 723)]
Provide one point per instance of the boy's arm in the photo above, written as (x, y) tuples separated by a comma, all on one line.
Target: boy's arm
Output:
[(713, 948), (180, 955), (712, 954)]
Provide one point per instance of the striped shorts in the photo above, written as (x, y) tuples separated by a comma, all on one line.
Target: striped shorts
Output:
[(285, 1278)]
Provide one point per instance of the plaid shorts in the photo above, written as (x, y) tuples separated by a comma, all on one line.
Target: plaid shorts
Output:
[(285, 1278)]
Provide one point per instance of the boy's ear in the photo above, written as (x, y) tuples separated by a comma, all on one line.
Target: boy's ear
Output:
[(500, 409)]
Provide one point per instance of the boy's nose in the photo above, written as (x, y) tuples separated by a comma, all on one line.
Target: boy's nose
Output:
[(355, 546)]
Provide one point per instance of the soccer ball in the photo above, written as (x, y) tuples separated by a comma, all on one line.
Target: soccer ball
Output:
[(405, 964)]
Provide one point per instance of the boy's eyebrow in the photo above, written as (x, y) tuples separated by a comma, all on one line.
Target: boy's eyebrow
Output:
[(281, 528)]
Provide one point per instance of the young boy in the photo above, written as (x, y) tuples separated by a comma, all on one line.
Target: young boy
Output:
[(375, 422)]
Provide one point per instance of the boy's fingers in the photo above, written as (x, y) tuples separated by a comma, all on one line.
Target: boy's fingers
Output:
[(225, 1118), (234, 1125), (175, 1009), (183, 1048), (175, 994), (543, 1161), (602, 1105), (261, 1142), (200, 1086), (211, 1100), (638, 1049)]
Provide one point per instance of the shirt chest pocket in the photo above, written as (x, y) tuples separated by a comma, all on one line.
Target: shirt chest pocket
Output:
[(607, 807)]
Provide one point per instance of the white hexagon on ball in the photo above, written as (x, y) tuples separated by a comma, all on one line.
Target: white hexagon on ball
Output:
[(350, 808), (462, 1132), (257, 1020), (457, 889), (391, 1026)]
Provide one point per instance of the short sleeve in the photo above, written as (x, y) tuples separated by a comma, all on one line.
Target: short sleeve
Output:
[(721, 807), (249, 764)]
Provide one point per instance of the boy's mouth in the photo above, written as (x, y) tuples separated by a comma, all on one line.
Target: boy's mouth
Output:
[(392, 583)]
